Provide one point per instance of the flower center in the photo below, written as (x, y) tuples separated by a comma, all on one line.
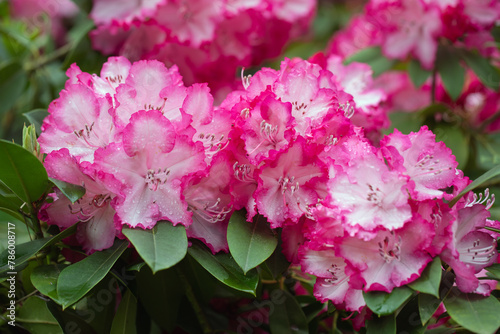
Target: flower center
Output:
[(156, 178), (85, 208), (374, 195), (389, 249)]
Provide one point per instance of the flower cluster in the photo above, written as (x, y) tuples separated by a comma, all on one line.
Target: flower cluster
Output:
[(359, 217), (200, 37), (134, 137), (414, 27), (477, 105), (48, 16)]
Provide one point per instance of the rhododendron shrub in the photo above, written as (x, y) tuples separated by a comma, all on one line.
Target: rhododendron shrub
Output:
[(201, 37), (359, 217), (414, 27)]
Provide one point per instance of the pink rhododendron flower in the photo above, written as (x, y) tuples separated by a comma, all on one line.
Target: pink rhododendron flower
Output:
[(478, 104), (209, 200), (405, 28), (471, 248), (139, 132), (356, 80), (152, 163), (34, 12), (401, 94), (201, 37), (287, 184), (430, 165), (392, 258), (370, 196), (332, 282), (97, 230)]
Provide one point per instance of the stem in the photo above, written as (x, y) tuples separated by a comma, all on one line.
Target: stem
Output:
[(202, 319), (48, 58), (433, 87), (334, 321)]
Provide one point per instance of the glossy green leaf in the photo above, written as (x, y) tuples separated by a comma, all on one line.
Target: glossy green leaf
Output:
[(70, 320), (13, 80), (474, 312), (36, 118), (161, 295), (494, 270), (456, 140), (482, 67), (383, 303), (488, 150), (252, 243), (26, 251), (10, 203), (161, 247), (36, 317), (495, 171), (408, 318), (277, 262), (225, 269), (381, 325), (372, 56), (417, 74), (451, 71), (405, 122), (430, 279), (44, 279), (427, 306), (22, 172), (72, 191), (79, 278), (124, 320), (287, 316)]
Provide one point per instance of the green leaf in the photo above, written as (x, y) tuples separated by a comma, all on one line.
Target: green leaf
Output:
[(44, 279), (488, 150), (161, 295), (36, 118), (494, 269), (72, 321), (456, 140), (36, 317), (79, 278), (481, 66), (405, 122), (161, 247), (10, 203), (26, 251), (381, 325), (13, 80), (72, 191), (22, 172), (383, 303), (250, 244), (225, 269), (430, 279), (474, 312), (277, 262), (288, 316), (124, 320), (495, 171), (417, 74), (408, 318), (451, 71), (372, 56), (427, 306)]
